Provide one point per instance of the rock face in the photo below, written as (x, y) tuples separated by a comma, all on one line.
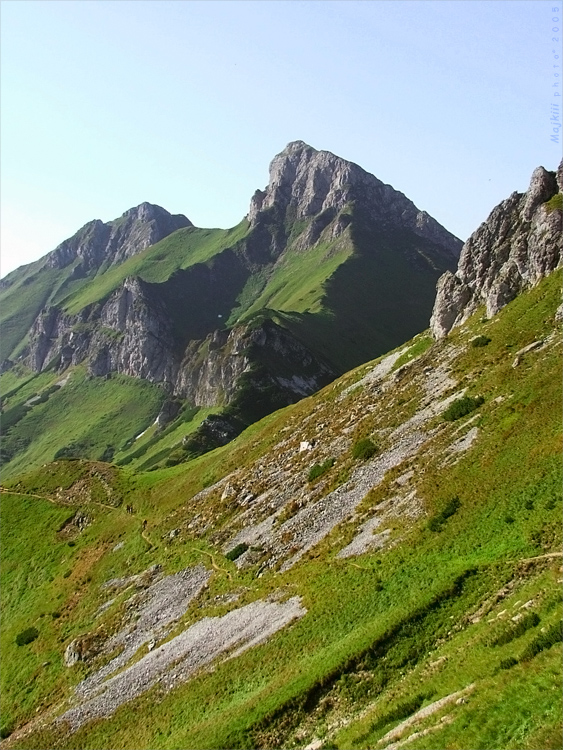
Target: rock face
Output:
[(318, 183), (98, 244), (514, 249), (128, 334), (132, 334)]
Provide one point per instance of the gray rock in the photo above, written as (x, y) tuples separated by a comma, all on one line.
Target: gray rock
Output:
[(72, 654), (530, 348), (320, 184), (168, 413), (518, 245)]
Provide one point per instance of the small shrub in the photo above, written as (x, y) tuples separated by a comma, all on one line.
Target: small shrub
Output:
[(107, 454), (461, 407), (436, 522), (26, 636), (71, 452), (364, 449), (480, 341), (236, 551), (553, 635), (508, 663), (318, 470)]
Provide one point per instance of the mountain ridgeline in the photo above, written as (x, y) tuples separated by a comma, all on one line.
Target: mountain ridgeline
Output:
[(330, 268)]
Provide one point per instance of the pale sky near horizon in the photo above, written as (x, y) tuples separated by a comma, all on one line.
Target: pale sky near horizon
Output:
[(183, 103)]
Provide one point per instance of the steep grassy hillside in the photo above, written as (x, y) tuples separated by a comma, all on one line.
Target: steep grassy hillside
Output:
[(29, 289), (180, 250), (32, 289), (377, 272), (420, 529), (49, 415)]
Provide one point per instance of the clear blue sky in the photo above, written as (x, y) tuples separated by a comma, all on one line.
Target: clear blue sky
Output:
[(109, 103)]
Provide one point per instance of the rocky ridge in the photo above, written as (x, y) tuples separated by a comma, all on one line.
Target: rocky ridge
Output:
[(512, 250), (317, 183), (105, 244), (131, 331)]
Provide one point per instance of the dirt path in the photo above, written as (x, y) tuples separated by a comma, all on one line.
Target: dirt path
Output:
[(214, 564), (146, 538), (541, 557), (55, 501), (26, 494)]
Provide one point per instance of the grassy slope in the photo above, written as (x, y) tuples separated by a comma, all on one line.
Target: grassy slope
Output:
[(91, 412), (379, 275), (32, 289), (153, 446), (378, 626), (298, 279), (180, 250)]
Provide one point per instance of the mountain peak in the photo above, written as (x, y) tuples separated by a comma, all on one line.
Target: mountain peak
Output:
[(294, 146), (151, 212), (112, 242), (315, 182)]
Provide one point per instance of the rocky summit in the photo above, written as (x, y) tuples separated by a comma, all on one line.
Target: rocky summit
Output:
[(317, 183), (98, 244), (375, 564)]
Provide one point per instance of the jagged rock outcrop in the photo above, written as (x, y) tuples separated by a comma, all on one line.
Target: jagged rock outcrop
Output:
[(99, 243), (514, 249), (129, 334), (269, 354), (318, 183)]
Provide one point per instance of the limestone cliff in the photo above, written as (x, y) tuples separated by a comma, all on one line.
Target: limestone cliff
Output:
[(132, 334), (127, 334), (512, 250)]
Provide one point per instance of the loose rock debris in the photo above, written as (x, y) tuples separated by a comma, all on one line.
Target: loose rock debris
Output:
[(175, 661), (158, 607)]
